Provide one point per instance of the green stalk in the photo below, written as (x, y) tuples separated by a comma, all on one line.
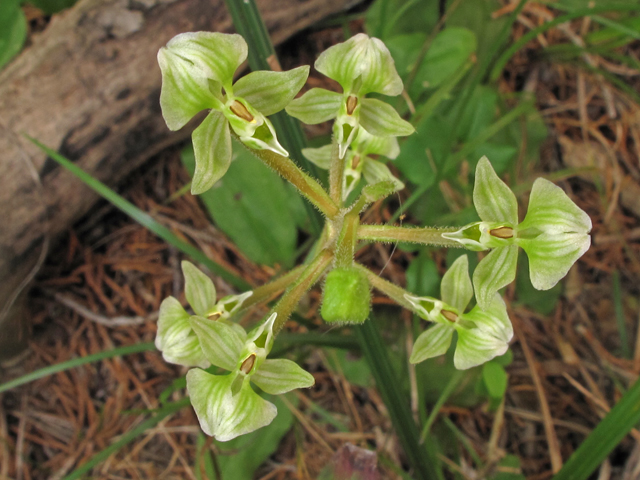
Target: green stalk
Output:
[(391, 290), (143, 218), (336, 172), (266, 291), (288, 302), (76, 362), (423, 236)]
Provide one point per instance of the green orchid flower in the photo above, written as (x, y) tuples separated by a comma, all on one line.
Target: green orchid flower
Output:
[(197, 74), (175, 338), (226, 405), (358, 161), (482, 334), (361, 65), (554, 233)]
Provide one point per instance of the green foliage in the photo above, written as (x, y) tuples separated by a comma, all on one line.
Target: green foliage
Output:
[(49, 7), (13, 30)]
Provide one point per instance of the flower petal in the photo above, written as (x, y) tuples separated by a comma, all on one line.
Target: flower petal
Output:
[(315, 106), (199, 290), (552, 211), (431, 343), (494, 271), (476, 347), (367, 144), (212, 150), (375, 172), (185, 90), (319, 156), (270, 92), (493, 199), (551, 256), (217, 55), (223, 413), (345, 61), (381, 119), (456, 288), (277, 376), (494, 320), (221, 343), (380, 74)]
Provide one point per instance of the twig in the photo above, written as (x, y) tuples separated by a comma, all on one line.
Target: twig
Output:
[(102, 320)]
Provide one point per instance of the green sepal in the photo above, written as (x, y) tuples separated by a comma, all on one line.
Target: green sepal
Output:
[(270, 92), (319, 156), (378, 191), (199, 290), (260, 340), (265, 138), (345, 130), (185, 90), (493, 199), (315, 106), (367, 144), (376, 172), (226, 405), (350, 181), (433, 342), (277, 376), (551, 256), (212, 151), (494, 320), (381, 119), (496, 270), (256, 131), (470, 236), (346, 297), (553, 212), (216, 55), (427, 308), (175, 338), (221, 343), (230, 304), (476, 347), (456, 288)]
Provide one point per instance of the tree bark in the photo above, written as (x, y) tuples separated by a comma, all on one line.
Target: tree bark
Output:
[(88, 86)]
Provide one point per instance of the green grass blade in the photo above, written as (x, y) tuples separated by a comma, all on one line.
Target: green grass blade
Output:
[(375, 351), (604, 438), (128, 437), (76, 362), (444, 396), (143, 218), (248, 22)]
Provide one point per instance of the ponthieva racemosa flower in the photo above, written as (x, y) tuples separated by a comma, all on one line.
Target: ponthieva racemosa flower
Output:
[(197, 74), (482, 334), (554, 233), (361, 65), (358, 161), (176, 339), (226, 405)]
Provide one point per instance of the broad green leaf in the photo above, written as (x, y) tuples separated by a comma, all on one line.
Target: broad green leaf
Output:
[(13, 30), (355, 369), (199, 290), (496, 270), (405, 49), (476, 347), (422, 276), (553, 212), (493, 199), (254, 208), (381, 119), (277, 376), (481, 111), (212, 151), (456, 288), (376, 172), (551, 256), (502, 155), (319, 156), (185, 90), (315, 106), (494, 320), (175, 338), (431, 343), (386, 19), (270, 92), (216, 55), (495, 379), (225, 409), (220, 342)]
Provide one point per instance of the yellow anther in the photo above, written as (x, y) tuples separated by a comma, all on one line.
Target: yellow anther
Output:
[(241, 111), (449, 315), (502, 232), (248, 363), (352, 103)]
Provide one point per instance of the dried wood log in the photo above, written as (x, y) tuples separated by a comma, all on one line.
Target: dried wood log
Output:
[(88, 86)]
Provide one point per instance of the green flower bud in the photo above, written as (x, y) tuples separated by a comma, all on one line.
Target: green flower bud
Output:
[(346, 296)]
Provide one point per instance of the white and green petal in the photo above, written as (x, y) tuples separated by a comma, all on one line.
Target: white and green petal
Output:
[(375, 172), (185, 90), (433, 342), (199, 290), (320, 157), (551, 256), (175, 338), (315, 106), (277, 376), (494, 320), (367, 144), (230, 304), (221, 343), (493, 199), (216, 55), (226, 405), (495, 271), (269, 92), (456, 288), (381, 119), (476, 347), (212, 151)]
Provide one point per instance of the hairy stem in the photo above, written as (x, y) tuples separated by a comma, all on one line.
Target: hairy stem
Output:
[(391, 290), (336, 172), (346, 245), (307, 279), (264, 292), (424, 236)]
